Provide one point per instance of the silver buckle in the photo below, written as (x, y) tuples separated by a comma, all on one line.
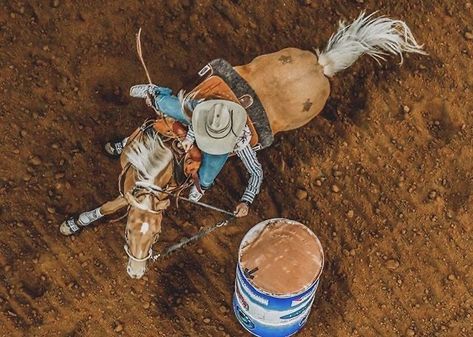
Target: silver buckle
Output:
[(204, 70)]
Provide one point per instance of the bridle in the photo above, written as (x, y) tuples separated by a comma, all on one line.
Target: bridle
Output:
[(143, 189), (127, 251), (138, 192)]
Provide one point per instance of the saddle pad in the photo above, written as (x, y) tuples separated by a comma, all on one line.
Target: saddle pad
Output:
[(215, 87)]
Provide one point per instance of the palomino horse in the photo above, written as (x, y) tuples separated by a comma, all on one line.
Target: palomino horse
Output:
[(292, 85), (146, 160)]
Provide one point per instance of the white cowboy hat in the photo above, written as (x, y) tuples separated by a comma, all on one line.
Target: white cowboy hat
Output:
[(217, 125)]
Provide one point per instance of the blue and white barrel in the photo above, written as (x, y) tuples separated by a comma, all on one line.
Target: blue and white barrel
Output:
[(266, 311)]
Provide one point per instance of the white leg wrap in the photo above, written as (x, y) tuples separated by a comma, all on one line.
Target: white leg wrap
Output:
[(87, 218)]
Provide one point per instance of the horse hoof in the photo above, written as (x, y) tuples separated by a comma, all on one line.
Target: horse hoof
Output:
[(109, 149), (64, 229), (114, 148), (69, 227)]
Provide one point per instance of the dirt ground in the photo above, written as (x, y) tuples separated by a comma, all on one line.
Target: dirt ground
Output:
[(384, 176)]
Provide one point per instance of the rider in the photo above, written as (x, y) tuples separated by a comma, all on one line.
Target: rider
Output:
[(218, 127)]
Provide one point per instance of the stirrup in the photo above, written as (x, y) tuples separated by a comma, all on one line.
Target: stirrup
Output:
[(142, 90), (195, 195)]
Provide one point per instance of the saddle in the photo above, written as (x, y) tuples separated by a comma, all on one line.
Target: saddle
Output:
[(212, 87), (245, 93), (216, 88), (187, 164)]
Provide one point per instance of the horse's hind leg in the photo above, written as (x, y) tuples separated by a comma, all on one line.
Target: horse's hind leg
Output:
[(71, 226)]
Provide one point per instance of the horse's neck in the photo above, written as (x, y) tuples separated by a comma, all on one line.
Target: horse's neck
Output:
[(135, 136), (162, 179), (166, 177)]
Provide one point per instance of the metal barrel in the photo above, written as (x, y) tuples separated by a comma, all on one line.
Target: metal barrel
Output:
[(266, 314)]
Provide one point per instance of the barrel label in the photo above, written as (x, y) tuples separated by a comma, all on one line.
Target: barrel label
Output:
[(240, 297), (297, 312), (305, 297), (250, 293), (304, 320), (244, 319)]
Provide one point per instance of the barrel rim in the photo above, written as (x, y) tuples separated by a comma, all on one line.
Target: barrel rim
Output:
[(259, 227)]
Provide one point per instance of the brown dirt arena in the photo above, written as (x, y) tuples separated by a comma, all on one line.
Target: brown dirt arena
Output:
[(384, 176)]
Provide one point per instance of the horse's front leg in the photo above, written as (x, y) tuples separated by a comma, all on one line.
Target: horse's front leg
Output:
[(72, 226)]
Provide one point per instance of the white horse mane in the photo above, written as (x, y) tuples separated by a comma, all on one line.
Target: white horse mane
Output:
[(367, 35), (149, 157)]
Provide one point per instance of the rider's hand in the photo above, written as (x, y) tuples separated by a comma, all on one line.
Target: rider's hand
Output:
[(187, 144), (241, 210)]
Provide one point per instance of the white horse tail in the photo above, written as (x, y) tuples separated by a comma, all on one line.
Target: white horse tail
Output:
[(367, 35)]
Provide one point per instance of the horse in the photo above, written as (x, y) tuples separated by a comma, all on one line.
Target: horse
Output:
[(293, 87)]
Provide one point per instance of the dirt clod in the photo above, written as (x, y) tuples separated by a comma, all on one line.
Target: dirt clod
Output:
[(410, 333), (301, 194), (392, 264), (118, 328), (35, 161)]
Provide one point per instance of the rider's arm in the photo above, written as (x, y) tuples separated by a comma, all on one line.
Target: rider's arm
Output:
[(248, 157)]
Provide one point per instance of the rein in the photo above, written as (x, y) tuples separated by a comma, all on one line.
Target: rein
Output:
[(156, 189), (137, 192)]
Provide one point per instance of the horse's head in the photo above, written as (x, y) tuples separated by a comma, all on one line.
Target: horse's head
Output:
[(142, 229), (150, 164)]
